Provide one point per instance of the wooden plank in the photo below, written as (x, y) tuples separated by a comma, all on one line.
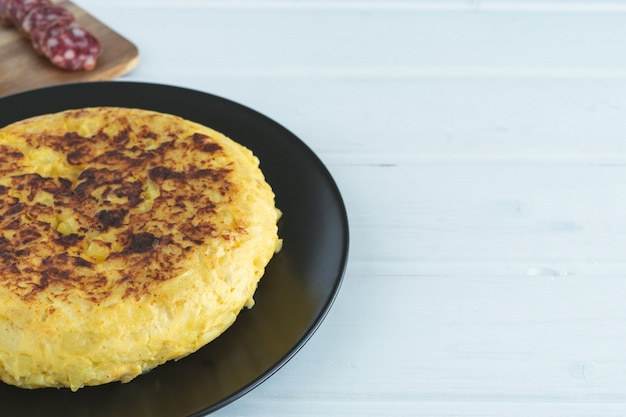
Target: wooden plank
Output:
[(22, 69)]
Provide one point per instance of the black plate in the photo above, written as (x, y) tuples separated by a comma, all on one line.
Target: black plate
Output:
[(292, 299)]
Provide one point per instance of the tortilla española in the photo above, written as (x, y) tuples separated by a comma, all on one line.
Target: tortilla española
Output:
[(128, 238)]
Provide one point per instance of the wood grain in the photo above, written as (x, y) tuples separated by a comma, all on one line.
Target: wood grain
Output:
[(21, 68)]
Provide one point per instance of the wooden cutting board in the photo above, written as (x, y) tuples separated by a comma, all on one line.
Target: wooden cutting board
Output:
[(21, 68)]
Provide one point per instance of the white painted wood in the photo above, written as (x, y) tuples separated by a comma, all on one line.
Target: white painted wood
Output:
[(481, 150)]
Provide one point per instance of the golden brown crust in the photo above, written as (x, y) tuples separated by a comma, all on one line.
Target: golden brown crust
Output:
[(106, 197), (101, 207)]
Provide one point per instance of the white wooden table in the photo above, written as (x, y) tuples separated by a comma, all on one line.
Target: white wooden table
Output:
[(480, 147)]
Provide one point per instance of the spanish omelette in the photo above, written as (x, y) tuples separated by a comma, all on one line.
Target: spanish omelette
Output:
[(128, 238)]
